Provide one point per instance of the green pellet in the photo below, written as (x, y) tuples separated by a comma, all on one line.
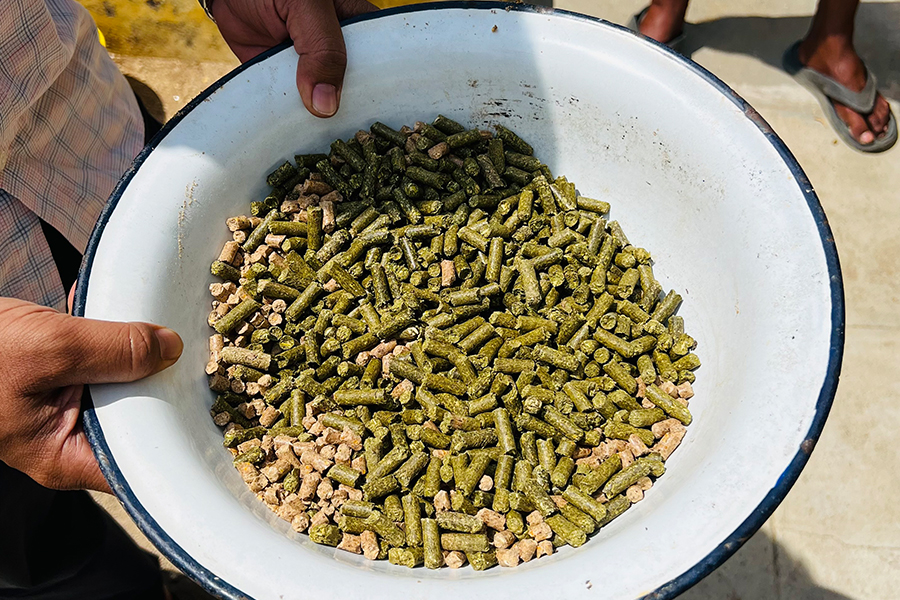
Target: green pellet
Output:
[(410, 469), (385, 527), (257, 236), (556, 358), (389, 463), (645, 417), (254, 455), (624, 431), (406, 557), (239, 313), (326, 534), (376, 488), (243, 356), (314, 234), (621, 376), (465, 542), (481, 561), (686, 363), (304, 301), (447, 126), (461, 522), (355, 397), (585, 503), (615, 507), (344, 474), (624, 479), (560, 475), (623, 400), (668, 404), (566, 447), (463, 138), (225, 271), (591, 481), (464, 440), (513, 365), (513, 141), (666, 307), (568, 531), (431, 538), (412, 520)]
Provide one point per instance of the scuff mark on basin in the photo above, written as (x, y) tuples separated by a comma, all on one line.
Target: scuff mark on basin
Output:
[(182, 215)]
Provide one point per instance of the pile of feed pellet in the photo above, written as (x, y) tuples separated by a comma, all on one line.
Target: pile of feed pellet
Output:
[(428, 349)]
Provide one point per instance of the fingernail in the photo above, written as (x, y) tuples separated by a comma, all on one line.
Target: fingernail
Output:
[(170, 344), (867, 137), (324, 99)]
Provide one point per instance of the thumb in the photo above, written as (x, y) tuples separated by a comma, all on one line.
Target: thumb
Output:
[(89, 351), (323, 58)]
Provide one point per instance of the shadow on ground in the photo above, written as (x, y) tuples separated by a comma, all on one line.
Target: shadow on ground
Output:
[(877, 39), (761, 570)]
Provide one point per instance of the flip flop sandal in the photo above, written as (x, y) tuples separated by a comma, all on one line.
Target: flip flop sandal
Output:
[(676, 43), (826, 89)]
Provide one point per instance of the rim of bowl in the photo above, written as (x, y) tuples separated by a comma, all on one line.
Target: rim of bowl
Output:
[(209, 581)]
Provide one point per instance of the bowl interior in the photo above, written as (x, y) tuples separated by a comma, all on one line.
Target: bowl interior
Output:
[(691, 176)]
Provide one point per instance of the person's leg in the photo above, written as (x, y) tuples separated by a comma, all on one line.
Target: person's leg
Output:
[(62, 546), (664, 20), (828, 49)]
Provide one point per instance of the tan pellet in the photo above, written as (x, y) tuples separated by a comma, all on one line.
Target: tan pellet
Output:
[(637, 447), (508, 557), (442, 500), (218, 291), (369, 544), (238, 386), (540, 531), (219, 383), (308, 485), (276, 471), (634, 493), (503, 539), (455, 559), (350, 543), (492, 519), (237, 223), (300, 523), (544, 548), (229, 251), (439, 150), (526, 549), (685, 390), (279, 306)]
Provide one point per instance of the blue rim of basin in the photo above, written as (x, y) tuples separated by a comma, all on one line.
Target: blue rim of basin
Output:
[(215, 585)]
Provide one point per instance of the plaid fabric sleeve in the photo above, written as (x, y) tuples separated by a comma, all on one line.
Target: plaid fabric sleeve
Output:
[(69, 127), (27, 270)]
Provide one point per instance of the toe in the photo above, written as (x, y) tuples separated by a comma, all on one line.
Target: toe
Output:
[(878, 120), (858, 126)]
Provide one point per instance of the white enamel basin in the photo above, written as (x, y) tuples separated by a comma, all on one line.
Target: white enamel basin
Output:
[(693, 174)]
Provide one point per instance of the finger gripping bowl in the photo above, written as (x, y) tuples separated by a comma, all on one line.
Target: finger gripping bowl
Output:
[(693, 174)]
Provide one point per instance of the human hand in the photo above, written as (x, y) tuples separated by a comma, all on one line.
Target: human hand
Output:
[(46, 358), (253, 26)]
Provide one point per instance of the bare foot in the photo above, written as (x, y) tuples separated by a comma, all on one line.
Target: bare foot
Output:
[(664, 20), (841, 62)]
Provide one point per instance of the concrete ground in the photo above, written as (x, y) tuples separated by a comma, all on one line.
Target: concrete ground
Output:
[(837, 534)]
